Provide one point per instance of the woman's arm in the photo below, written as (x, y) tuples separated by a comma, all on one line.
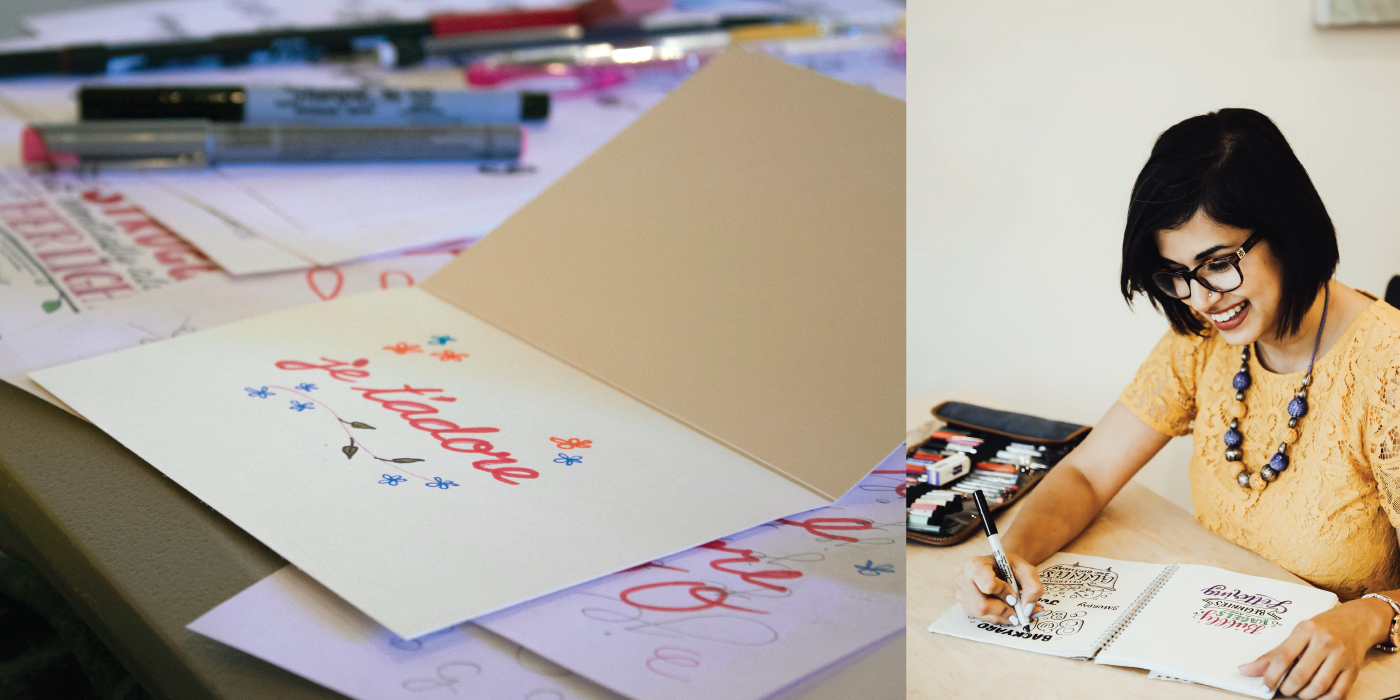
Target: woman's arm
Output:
[(1062, 506), (1074, 492)]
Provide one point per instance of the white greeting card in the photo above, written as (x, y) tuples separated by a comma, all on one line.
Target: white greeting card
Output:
[(423, 465)]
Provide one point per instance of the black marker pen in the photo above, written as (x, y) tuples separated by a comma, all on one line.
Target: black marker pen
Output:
[(1003, 565)]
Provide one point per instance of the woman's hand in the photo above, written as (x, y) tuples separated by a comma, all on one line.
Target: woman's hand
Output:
[(984, 596), (1328, 648)]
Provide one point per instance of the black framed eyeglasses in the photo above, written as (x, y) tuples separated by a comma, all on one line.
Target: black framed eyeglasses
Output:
[(1220, 274)]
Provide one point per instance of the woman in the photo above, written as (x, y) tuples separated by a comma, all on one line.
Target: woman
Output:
[(1287, 380)]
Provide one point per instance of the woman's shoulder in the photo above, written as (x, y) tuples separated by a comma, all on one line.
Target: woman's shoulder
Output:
[(1375, 348)]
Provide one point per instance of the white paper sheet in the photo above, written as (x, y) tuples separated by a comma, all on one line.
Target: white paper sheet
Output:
[(345, 211), (203, 302), (289, 620), (236, 247), (266, 420), (741, 618)]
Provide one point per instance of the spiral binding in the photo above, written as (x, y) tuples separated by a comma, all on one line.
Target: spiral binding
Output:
[(1111, 633)]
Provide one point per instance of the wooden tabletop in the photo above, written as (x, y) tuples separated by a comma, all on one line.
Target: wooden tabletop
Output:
[(1138, 525)]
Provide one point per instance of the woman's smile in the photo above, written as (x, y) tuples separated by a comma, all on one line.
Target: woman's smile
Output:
[(1231, 317)]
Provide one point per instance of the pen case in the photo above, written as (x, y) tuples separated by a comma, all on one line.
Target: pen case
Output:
[(992, 436)]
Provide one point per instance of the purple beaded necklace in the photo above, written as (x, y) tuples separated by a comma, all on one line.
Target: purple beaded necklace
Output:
[(1297, 408)]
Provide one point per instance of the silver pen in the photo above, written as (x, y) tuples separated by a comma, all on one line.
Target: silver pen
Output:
[(196, 143)]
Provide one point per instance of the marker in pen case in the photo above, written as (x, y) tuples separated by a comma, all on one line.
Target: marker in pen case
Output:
[(177, 143), (265, 105)]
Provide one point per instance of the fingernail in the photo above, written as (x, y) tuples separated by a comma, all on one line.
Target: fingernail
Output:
[(1014, 621), (1011, 600), (1037, 615)]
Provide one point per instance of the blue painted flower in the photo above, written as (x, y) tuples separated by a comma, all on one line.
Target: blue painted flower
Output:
[(298, 406), (441, 340), (392, 479), (438, 483), (306, 387), (259, 393), (568, 459), (871, 570)]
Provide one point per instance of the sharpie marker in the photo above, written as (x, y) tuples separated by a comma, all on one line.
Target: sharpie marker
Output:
[(179, 143), (1003, 565), (262, 105)]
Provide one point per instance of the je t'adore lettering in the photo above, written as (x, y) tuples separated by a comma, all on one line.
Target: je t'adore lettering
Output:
[(447, 433)]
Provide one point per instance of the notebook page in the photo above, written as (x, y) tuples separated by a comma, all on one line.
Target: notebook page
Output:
[(1084, 597), (1206, 622)]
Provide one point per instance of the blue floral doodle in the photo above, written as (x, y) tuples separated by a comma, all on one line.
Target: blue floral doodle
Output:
[(438, 483), (392, 479), (871, 570), (441, 340), (568, 459), (299, 406), (259, 393), (306, 387)]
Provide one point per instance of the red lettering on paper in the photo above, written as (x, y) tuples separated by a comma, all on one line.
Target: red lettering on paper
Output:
[(746, 557), (97, 197), (336, 368), (695, 589), (441, 430), (819, 526)]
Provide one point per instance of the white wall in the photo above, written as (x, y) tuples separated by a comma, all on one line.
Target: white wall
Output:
[(1028, 122)]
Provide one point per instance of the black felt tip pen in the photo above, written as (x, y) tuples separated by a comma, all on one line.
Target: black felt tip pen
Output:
[(1003, 564)]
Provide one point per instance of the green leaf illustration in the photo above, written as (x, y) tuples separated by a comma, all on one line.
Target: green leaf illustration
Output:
[(358, 424), (349, 450), (52, 305), (404, 460)]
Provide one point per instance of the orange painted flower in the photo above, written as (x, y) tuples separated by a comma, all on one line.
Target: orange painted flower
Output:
[(570, 443), (446, 355), (403, 348)]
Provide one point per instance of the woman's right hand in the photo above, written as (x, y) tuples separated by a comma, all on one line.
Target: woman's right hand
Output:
[(984, 596)]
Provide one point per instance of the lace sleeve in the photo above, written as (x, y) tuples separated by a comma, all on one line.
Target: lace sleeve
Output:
[(1382, 436), (1163, 394)]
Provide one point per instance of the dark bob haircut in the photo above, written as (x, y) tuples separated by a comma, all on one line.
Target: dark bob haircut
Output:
[(1235, 167)]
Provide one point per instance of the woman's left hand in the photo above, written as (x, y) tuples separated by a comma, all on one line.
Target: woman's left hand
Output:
[(1329, 650)]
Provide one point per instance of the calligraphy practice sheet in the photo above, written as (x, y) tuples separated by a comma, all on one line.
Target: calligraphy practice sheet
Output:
[(1085, 599), (1206, 622), (289, 620), (67, 246), (738, 618), (423, 465), (204, 302)]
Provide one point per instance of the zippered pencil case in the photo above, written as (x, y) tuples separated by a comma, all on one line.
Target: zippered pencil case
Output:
[(1009, 454)]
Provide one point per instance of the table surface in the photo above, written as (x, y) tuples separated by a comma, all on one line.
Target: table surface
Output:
[(1138, 525)]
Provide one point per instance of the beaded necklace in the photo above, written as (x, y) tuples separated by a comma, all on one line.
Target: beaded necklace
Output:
[(1297, 408)]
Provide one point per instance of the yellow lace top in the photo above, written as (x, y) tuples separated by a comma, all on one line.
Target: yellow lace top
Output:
[(1330, 518)]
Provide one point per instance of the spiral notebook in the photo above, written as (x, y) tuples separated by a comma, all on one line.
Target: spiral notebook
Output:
[(1180, 621)]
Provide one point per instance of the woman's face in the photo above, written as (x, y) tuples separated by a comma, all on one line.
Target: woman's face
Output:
[(1245, 314)]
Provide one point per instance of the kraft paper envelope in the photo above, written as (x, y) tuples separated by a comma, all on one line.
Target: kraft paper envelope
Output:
[(697, 330)]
